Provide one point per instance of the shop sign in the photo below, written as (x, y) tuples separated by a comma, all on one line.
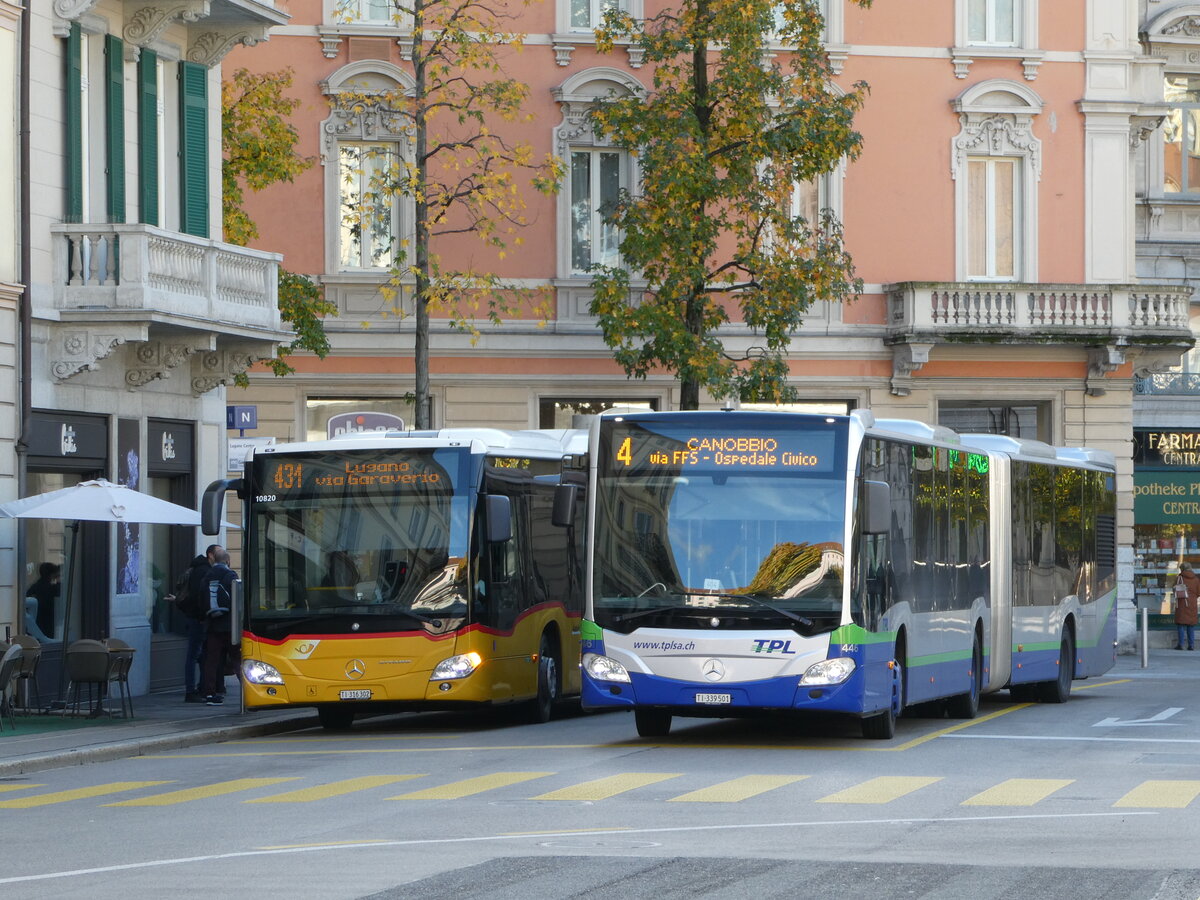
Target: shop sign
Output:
[(360, 422), (1166, 498), (1174, 449)]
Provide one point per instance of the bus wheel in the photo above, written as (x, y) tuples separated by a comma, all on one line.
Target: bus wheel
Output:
[(882, 726), (547, 687), (652, 722), (335, 718), (1058, 690), (966, 706)]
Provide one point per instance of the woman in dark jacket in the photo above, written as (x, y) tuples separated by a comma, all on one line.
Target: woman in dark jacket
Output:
[(1185, 605)]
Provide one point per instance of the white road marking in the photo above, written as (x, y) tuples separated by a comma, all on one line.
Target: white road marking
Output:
[(1068, 737), (1158, 719), (321, 848)]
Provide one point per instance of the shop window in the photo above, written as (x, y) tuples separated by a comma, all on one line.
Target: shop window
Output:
[(327, 417), (1029, 421), (559, 412)]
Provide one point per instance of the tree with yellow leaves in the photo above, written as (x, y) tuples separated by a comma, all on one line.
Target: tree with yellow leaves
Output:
[(461, 171), (731, 128)]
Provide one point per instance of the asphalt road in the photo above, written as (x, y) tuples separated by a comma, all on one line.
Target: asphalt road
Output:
[(1094, 798)]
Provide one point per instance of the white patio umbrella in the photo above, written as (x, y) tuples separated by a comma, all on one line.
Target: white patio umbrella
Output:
[(95, 501)]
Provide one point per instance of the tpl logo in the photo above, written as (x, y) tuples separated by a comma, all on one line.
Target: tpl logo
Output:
[(765, 645)]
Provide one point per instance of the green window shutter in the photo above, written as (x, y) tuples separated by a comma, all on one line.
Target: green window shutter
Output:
[(193, 149), (148, 136), (74, 126), (114, 132)]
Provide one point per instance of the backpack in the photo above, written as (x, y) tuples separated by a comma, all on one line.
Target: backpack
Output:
[(186, 601), (218, 600)]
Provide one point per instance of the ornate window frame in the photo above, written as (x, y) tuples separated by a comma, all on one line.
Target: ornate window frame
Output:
[(576, 95), (368, 124), (565, 38), (1025, 49), (996, 120)]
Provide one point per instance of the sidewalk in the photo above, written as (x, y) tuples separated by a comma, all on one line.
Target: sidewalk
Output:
[(160, 722)]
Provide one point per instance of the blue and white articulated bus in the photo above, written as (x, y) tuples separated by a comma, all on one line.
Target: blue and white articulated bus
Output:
[(756, 561)]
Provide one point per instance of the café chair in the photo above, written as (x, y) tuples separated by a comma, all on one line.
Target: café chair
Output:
[(29, 666), (87, 666), (10, 668), (120, 661)]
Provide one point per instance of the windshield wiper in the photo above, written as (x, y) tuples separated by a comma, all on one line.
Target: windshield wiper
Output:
[(642, 613), (754, 598)]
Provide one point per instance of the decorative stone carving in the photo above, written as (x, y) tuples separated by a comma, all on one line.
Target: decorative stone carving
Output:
[(1030, 66), (406, 47), (637, 55), (331, 44), (1102, 361), (962, 65), (156, 358), (907, 358), (210, 47), (68, 11), (1149, 361), (78, 350), (562, 54), (145, 24), (1141, 127), (1000, 134), (1187, 26), (837, 57), (211, 370)]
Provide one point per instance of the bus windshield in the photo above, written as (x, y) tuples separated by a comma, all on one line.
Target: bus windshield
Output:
[(360, 541), (736, 520)]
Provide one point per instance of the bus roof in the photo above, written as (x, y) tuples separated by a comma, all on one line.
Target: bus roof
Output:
[(546, 443)]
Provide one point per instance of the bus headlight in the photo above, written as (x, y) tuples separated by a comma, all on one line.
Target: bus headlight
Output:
[(602, 668), (259, 672), (829, 671), (456, 667)]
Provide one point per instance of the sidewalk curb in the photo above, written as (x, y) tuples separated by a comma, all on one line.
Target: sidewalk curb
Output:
[(141, 746)]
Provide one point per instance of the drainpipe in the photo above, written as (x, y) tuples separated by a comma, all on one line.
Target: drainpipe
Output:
[(24, 308)]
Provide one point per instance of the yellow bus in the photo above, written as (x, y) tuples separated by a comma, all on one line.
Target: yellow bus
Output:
[(410, 570)]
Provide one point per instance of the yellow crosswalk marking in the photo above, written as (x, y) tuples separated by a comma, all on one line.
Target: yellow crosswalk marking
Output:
[(884, 789), (98, 790), (603, 788), (333, 789), (738, 789), (1161, 794), (219, 789), (4, 788), (1019, 792), (469, 786)]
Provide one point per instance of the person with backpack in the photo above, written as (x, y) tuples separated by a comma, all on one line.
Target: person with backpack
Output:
[(188, 599), (218, 609)]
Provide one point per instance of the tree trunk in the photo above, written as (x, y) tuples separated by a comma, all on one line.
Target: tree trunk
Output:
[(421, 412)]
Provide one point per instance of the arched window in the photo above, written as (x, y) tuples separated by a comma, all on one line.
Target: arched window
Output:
[(365, 143), (996, 163), (596, 172)]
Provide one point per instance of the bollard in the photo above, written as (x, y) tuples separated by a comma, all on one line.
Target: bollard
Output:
[(1145, 637)]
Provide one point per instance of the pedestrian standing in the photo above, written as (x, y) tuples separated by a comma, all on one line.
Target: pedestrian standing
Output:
[(218, 642), (1187, 591), (190, 598)]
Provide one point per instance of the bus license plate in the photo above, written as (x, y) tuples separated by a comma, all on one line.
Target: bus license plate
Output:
[(715, 699), (354, 695)]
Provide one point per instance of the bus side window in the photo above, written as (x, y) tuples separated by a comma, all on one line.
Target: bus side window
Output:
[(506, 584)]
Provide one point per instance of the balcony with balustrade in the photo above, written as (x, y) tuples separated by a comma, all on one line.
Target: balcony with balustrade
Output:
[(1146, 324), (175, 297)]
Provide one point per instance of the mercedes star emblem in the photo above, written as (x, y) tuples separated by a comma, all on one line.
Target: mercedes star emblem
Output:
[(356, 668), (713, 669)]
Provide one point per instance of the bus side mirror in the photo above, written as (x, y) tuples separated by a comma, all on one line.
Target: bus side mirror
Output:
[(565, 498), (236, 605), (499, 519), (877, 507), (213, 503)]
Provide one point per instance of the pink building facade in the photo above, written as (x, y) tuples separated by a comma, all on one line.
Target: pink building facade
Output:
[(994, 216)]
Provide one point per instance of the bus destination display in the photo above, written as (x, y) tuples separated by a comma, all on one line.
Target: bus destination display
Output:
[(314, 475), (809, 451)]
